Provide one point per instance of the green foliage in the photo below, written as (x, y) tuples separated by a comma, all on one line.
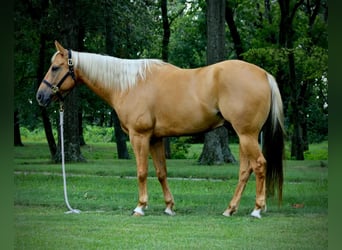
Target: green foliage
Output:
[(36, 135), (179, 148), (188, 41), (133, 22), (317, 151), (136, 30), (270, 58), (96, 134)]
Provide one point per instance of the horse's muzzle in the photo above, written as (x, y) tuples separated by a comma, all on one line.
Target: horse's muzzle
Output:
[(43, 98)]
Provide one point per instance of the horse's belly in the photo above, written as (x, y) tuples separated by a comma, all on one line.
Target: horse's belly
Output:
[(186, 125)]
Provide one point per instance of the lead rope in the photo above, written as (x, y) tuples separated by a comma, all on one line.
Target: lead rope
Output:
[(71, 210)]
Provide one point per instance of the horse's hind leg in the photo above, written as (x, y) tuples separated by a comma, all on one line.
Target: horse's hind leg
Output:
[(244, 173), (158, 155), (251, 159)]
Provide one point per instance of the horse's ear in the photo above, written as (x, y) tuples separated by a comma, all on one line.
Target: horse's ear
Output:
[(59, 47)]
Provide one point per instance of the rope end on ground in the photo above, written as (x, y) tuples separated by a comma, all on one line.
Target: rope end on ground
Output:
[(73, 211)]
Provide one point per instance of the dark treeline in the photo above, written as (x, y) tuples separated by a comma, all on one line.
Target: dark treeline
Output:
[(288, 38)]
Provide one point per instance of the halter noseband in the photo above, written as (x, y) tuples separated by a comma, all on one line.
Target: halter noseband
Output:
[(55, 88)]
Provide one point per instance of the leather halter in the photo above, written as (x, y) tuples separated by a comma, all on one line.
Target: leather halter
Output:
[(55, 88)]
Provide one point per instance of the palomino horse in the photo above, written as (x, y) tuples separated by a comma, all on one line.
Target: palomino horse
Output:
[(154, 99)]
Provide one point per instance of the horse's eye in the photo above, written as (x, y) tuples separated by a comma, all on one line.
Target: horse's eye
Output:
[(54, 68)]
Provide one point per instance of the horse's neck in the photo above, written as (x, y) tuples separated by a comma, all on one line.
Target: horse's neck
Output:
[(91, 79), (109, 76)]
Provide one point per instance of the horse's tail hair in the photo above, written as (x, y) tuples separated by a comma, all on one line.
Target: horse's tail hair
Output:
[(273, 142)]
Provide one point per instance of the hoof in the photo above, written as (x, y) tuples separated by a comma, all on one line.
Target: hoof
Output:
[(138, 211), (227, 213), (169, 211), (135, 214), (256, 213)]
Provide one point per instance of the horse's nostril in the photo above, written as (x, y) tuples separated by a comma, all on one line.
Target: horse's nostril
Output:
[(43, 99), (40, 97)]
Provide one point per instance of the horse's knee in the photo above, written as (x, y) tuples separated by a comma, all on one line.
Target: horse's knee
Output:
[(260, 167), (142, 175), (161, 177)]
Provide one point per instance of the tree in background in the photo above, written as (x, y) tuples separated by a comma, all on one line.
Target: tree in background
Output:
[(237, 43), (120, 136), (40, 74), (216, 149), (27, 73), (288, 11), (165, 58), (68, 33), (17, 137)]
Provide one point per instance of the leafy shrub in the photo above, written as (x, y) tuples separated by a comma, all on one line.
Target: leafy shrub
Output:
[(36, 135), (179, 148), (317, 151), (96, 134)]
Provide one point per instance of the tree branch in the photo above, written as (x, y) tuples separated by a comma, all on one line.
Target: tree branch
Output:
[(233, 31), (294, 10)]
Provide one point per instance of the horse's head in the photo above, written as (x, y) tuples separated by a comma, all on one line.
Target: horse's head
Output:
[(59, 80)]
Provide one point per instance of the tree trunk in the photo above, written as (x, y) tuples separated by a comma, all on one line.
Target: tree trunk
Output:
[(48, 132), (45, 117), (165, 57), (166, 31), (233, 31), (286, 33), (17, 137), (72, 147), (120, 136), (268, 14), (271, 36), (80, 128), (312, 10), (215, 31), (297, 143), (68, 33), (40, 74), (216, 149), (80, 46)]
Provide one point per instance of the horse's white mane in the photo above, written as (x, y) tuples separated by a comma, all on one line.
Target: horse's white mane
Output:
[(114, 72)]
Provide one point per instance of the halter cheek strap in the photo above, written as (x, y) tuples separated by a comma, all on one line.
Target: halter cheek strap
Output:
[(55, 88)]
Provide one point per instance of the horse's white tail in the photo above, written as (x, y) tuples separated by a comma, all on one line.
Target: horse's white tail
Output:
[(273, 142), (277, 104)]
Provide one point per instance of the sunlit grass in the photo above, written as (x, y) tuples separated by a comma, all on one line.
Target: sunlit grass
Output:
[(105, 190)]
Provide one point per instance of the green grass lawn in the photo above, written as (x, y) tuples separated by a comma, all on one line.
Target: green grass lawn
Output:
[(104, 190)]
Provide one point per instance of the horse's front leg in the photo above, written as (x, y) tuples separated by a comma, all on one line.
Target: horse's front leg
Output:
[(158, 155), (140, 144)]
